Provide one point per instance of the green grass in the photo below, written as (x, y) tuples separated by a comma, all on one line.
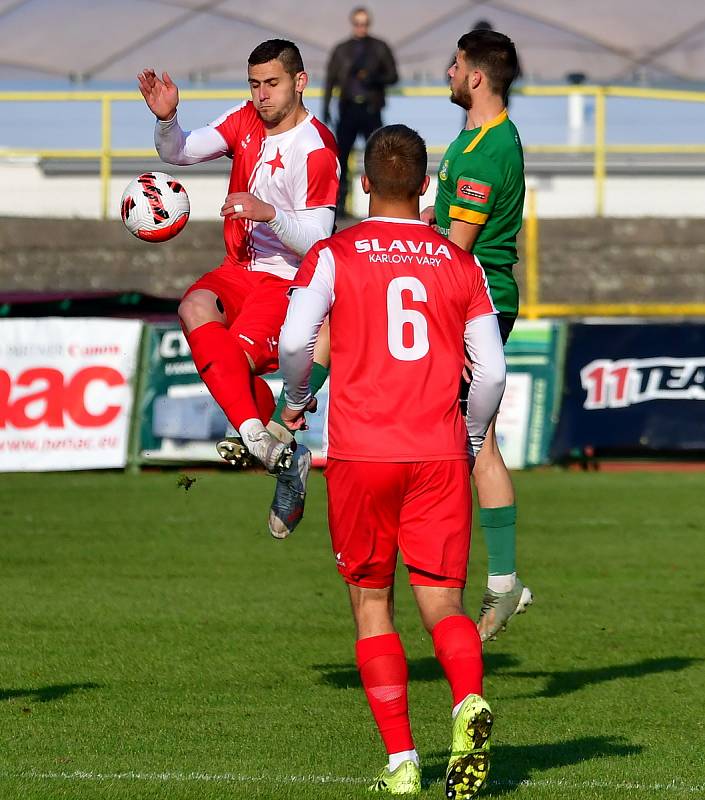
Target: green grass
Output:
[(161, 634)]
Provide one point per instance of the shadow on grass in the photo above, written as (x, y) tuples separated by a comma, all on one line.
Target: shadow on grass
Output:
[(421, 670), (45, 694), (568, 681), (513, 764)]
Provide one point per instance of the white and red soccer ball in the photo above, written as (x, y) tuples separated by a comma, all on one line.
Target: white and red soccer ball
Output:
[(154, 207)]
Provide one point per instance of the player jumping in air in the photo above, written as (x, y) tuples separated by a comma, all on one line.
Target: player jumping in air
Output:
[(281, 200), (479, 204), (403, 303)]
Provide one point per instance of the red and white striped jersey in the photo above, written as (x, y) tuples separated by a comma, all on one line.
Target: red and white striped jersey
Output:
[(294, 170), (400, 296)]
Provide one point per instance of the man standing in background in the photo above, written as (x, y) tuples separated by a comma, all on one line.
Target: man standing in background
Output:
[(360, 68), (479, 206)]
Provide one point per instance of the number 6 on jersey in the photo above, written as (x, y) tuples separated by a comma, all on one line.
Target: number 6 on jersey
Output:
[(398, 317)]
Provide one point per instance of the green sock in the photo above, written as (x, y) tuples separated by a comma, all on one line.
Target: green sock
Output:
[(499, 528), (319, 375)]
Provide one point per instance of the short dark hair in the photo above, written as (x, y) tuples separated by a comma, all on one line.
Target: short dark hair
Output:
[(281, 50), (395, 162), (493, 53), (359, 10)]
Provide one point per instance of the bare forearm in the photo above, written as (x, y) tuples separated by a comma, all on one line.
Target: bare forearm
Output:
[(464, 234)]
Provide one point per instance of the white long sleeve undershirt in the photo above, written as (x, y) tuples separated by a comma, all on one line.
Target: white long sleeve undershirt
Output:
[(180, 147), (298, 230), (483, 343), (307, 310)]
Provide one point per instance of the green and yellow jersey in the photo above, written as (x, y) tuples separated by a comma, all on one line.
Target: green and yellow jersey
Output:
[(481, 180)]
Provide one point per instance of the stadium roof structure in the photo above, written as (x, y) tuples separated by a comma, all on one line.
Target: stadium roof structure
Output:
[(88, 41)]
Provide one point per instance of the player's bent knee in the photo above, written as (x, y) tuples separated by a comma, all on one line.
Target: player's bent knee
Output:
[(199, 308)]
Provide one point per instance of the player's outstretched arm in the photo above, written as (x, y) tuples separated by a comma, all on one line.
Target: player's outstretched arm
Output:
[(160, 94), (174, 145)]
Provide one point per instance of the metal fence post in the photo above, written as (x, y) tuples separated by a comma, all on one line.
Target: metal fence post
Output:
[(532, 256), (105, 154), (600, 158)]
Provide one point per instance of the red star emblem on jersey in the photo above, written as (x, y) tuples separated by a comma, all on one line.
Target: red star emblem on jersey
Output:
[(276, 163)]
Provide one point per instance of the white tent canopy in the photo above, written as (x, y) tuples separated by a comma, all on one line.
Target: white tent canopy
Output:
[(610, 41)]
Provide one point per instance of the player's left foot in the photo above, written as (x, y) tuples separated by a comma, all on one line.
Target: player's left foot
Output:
[(499, 607), (406, 779), (232, 449), (287, 508), (469, 762)]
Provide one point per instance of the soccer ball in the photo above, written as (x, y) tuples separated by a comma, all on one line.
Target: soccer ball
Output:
[(154, 207)]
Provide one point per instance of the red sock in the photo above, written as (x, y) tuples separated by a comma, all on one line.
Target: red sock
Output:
[(384, 673), (459, 651), (224, 368), (264, 399)]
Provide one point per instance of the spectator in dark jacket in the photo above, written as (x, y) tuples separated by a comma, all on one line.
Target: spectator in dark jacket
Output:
[(361, 68)]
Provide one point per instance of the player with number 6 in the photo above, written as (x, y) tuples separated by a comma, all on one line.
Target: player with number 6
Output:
[(404, 302)]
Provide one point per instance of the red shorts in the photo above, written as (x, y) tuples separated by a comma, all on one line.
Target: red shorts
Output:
[(255, 305), (421, 508)]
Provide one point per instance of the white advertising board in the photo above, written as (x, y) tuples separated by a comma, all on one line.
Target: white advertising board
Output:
[(513, 419), (66, 392)]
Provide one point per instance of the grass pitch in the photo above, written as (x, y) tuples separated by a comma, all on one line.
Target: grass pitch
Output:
[(157, 643)]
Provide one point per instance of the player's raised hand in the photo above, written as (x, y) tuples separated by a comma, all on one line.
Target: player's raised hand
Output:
[(243, 205), (160, 94)]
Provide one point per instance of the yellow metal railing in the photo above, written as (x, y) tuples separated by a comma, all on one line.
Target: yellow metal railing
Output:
[(532, 306), (106, 153), (600, 148)]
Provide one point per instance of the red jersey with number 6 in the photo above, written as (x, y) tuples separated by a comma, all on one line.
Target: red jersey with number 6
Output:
[(402, 294)]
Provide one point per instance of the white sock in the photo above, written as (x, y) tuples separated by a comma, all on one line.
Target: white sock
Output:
[(456, 707), (502, 583), (399, 758), (280, 432), (250, 429)]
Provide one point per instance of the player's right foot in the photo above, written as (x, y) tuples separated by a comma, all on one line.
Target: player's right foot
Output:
[(287, 508), (274, 455), (232, 449), (469, 762), (406, 779), (499, 607)]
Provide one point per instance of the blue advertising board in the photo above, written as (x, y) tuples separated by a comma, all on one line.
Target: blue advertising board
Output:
[(637, 387)]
